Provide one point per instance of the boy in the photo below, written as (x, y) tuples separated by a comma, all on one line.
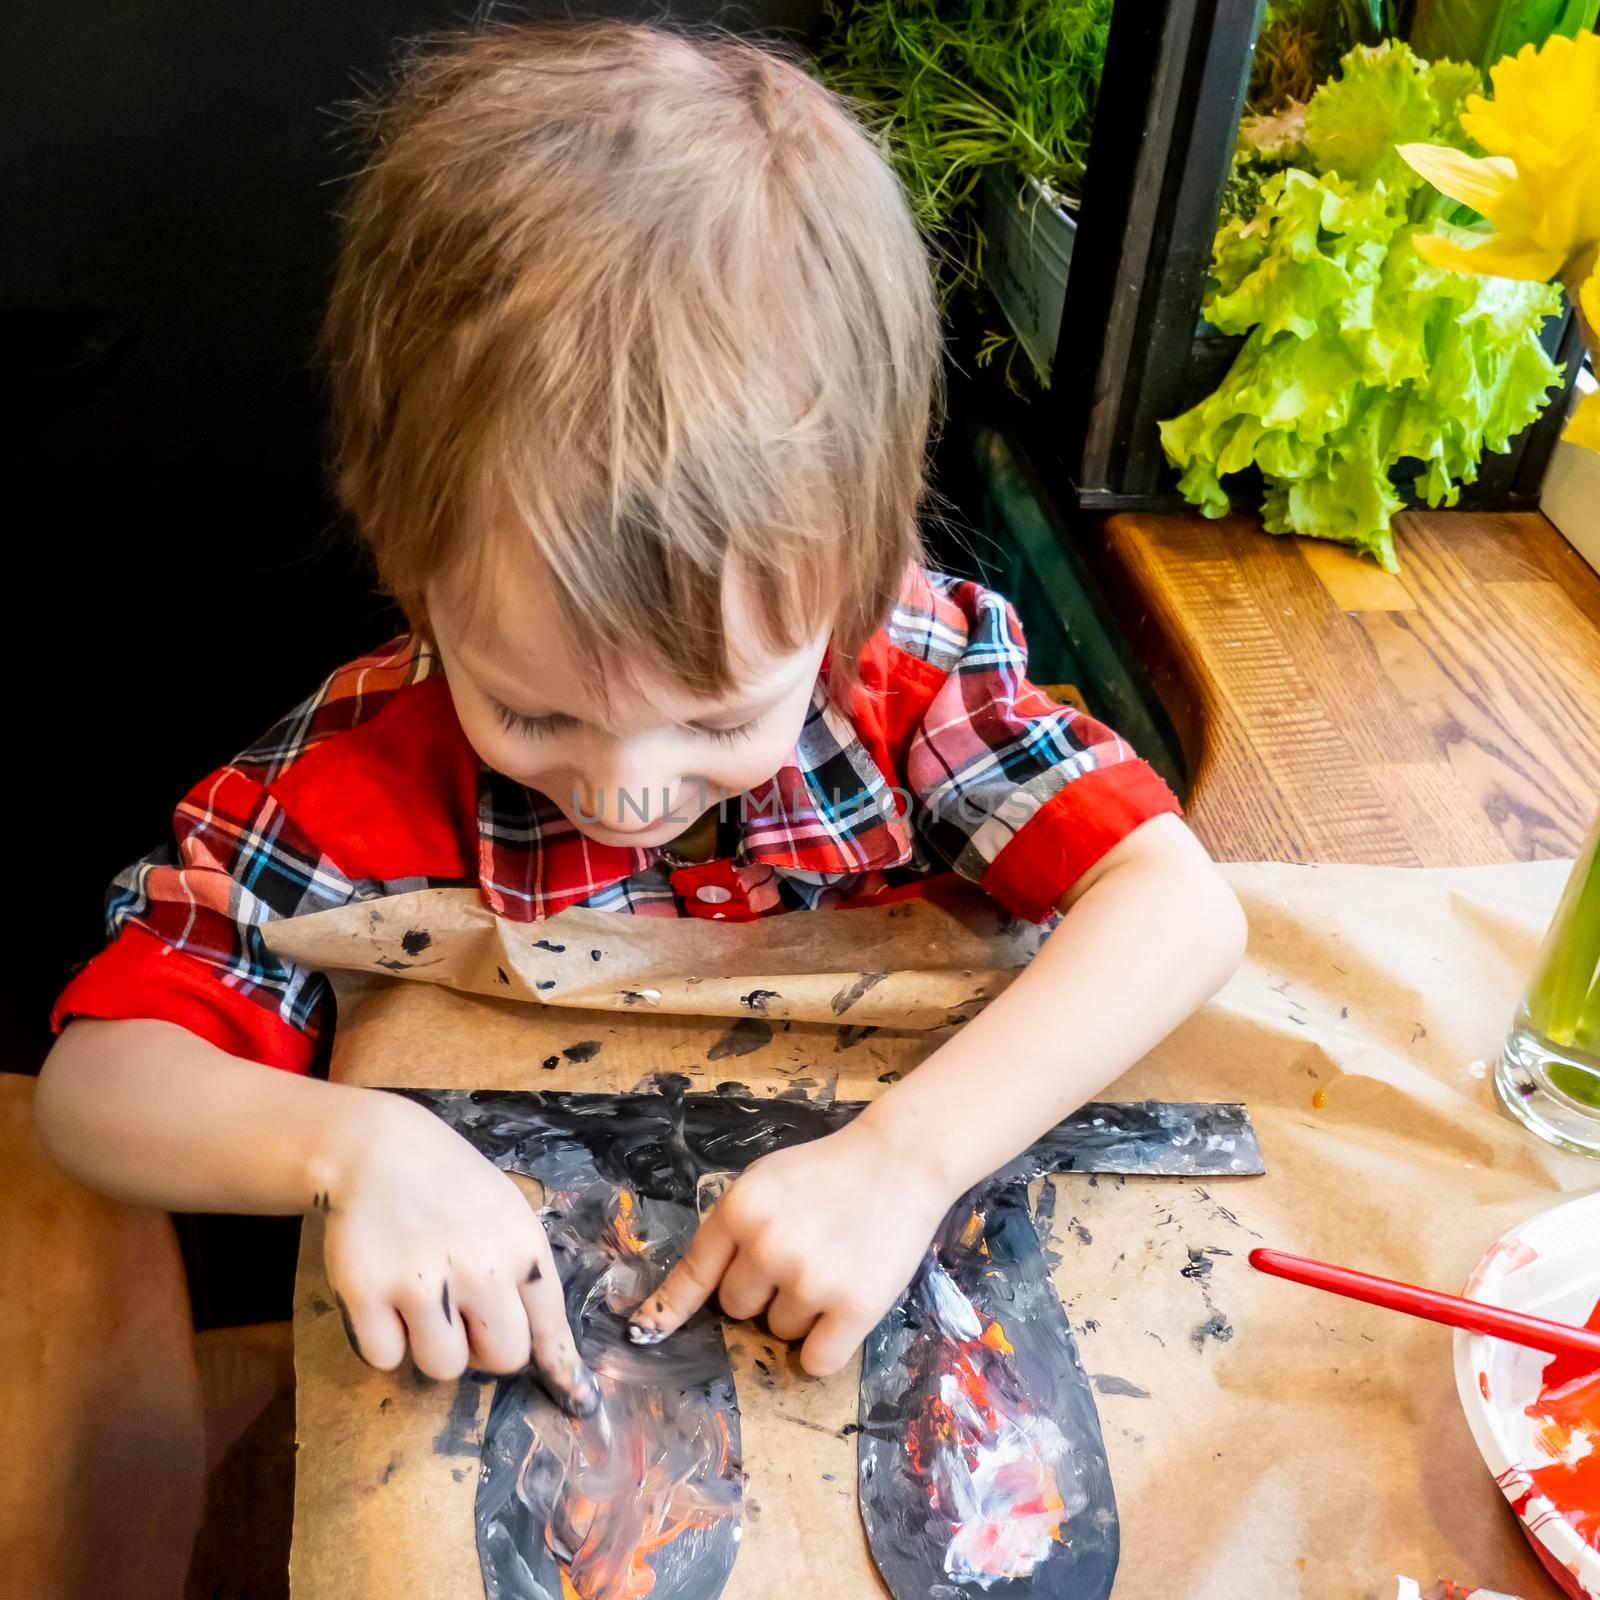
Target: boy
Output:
[(633, 349)]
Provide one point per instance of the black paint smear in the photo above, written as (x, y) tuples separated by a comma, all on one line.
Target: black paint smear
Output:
[(757, 999), (349, 1326), (1044, 1217), (319, 1306), (545, 983), (1079, 1232), (583, 1050), (674, 1085), (550, 1063), (390, 965), (545, 944), (846, 998), (1109, 1383), (535, 1273), (415, 940), (388, 1471), (1198, 1271), (444, 1303), (746, 1035), (500, 973), (662, 1144), (594, 955), (457, 1436), (893, 1075), (847, 1037), (1218, 1328)]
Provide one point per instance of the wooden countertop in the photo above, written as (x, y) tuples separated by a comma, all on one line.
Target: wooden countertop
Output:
[(1331, 712)]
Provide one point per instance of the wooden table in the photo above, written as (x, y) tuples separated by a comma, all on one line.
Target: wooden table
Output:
[(1332, 712)]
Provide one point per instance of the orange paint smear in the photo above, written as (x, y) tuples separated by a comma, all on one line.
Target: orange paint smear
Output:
[(623, 1225), (1568, 1416), (995, 1337)]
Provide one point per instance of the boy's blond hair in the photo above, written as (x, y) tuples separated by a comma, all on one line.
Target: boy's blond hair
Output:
[(654, 301)]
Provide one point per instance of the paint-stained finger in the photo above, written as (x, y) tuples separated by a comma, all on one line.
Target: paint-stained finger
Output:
[(554, 1351), (374, 1330), (438, 1347), (498, 1335), (790, 1317), (832, 1342), (688, 1286)]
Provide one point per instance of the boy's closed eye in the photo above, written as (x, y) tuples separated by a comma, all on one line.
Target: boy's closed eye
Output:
[(542, 724)]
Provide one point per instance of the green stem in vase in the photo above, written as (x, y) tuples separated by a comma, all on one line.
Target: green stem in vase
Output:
[(1563, 998), (1586, 1035)]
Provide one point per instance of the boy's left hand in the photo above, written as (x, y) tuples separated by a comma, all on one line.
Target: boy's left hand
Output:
[(821, 1236)]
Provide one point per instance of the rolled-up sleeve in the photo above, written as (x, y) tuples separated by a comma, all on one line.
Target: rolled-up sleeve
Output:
[(185, 928), (1011, 790)]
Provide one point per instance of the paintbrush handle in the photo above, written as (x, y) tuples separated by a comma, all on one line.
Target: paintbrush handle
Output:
[(1537, 1333)]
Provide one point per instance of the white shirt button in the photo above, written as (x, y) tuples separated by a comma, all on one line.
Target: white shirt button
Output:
[(713, 894)]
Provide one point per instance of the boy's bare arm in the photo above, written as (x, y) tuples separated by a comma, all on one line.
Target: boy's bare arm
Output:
[(426, 1242), (823, 1237), (1152, 931)]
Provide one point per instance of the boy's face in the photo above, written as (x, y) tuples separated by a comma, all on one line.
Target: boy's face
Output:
[(634, 772)]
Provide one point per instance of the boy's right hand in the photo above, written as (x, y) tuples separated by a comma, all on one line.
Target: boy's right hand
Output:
[(429, 1243)]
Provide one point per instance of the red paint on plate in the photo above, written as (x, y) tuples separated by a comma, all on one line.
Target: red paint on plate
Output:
[(1567, 1414)]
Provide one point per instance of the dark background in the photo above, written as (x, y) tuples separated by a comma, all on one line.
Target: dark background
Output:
[(179, 578)]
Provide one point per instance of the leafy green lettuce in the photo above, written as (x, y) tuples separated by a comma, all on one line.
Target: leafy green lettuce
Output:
[(1359, 355)]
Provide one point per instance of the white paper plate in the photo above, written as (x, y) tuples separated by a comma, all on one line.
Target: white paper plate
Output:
[(1549, 1267)]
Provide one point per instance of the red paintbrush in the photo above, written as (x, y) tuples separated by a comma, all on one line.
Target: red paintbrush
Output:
[(1537, 1333)]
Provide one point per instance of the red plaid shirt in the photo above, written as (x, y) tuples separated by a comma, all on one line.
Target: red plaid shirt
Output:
[(945, 758)]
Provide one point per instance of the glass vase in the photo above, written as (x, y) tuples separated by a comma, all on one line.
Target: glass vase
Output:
[(1549, 1072)]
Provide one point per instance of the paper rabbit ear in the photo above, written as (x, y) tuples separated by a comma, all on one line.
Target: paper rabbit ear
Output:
[(645, 1496), (981, 1466)]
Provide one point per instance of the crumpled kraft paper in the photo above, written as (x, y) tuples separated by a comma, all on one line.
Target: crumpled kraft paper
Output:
[(1265, 1440)]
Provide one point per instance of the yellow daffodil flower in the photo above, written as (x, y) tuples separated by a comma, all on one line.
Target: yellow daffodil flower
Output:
[(1539, 184), (1583, 426)]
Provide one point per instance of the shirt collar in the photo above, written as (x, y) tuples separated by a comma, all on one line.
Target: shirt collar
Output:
[(828, 811)]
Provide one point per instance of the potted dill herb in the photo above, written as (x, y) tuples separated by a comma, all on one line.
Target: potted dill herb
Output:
[(987, 107)]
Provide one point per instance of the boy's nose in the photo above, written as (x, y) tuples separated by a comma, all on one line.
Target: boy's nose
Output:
[(625, 792)]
